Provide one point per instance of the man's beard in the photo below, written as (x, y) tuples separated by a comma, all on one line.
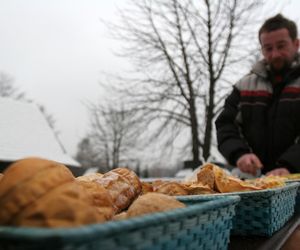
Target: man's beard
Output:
[(280, 65)]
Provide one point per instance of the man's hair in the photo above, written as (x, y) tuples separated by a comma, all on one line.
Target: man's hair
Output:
[(279, 22)]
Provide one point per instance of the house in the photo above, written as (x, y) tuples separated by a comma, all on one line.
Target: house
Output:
[(25, 132)]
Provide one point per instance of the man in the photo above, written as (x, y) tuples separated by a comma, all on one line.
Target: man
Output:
[(259, 126)]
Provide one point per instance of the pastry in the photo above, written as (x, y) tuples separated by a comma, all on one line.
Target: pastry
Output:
[(42, 193), (121, 190), (26, 181), (151, 203), (171, 188)]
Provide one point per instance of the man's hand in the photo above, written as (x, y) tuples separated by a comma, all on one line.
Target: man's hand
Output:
[(249, 163), (278, 171)]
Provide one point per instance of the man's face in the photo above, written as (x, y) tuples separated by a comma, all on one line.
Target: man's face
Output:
[(278, 48)]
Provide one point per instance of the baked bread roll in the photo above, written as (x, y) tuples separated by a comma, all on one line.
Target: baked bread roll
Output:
[(206, 175), (90, 177), (26, 181), (155, 184), (99, 197), (225, 183), (131, 177), (151, 203), (198, 188), (121, 190), (271, 181), (39, 192), (120, 216), (68, 205), (171, 188), (146, 187)]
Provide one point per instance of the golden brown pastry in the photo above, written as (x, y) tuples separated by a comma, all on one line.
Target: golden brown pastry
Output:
[(146, 187), (28, 180), (225, 183), (151, 203), (100, 198), (120, 216), (171, 188), (65, 206), (198, 188), (39, 192), (1, 175), (120, 189), (90, 177), (131, 177), (268, 182), (295, 176), (206, 175), (155, 184)]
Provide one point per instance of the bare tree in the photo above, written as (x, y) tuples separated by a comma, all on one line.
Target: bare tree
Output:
[(113, 134), (8, 88), (87, 155), (184, 55), (52, 124)]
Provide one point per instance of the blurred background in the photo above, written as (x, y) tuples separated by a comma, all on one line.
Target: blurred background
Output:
[(131, 83)]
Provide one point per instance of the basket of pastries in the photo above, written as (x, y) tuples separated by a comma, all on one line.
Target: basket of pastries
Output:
[(43, 206), (266, 203)]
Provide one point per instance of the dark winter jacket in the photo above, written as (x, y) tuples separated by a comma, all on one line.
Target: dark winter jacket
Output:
[(263, 119)]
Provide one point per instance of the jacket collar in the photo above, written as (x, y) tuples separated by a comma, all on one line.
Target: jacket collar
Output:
[(261, 68)]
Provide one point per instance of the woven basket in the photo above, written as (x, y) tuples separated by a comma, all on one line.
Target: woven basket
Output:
[(297, 204), (260, 212), (203, 226)]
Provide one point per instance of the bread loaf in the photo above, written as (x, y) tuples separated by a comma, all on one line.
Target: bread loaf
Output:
[(99, 197), (151, 203), (26, 181), (225, 183), (171, 188), (64, 206), (206, 175), (90, 177), (123, 186), (131, 177), (39, 192), (146, 187), (198, 188)]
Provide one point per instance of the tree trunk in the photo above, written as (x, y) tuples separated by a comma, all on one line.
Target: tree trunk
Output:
[(194, 132), (211, 92), (209, 121)]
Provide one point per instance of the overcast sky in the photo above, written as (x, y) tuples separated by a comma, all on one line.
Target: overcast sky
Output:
[(56, 51)]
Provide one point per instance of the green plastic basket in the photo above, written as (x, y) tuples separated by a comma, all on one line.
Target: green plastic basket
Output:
[(260, 212), (202, 226), (297, 203)]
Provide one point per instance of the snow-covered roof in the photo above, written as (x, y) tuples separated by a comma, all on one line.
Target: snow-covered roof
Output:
[(24, 132)]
